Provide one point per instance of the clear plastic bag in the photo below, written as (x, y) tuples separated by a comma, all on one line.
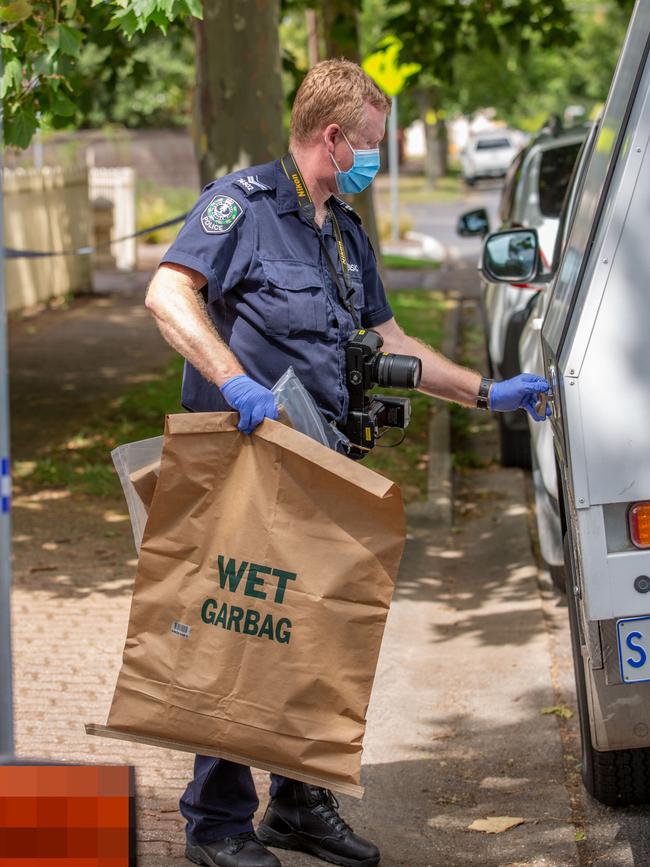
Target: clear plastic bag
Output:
[(138, 463), (304, 415)]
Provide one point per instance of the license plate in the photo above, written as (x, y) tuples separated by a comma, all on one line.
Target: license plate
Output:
[(634, 648)]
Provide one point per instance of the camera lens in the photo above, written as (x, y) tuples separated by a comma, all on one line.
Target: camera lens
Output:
[(397, 371)]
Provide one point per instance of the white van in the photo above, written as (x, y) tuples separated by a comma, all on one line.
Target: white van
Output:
[(596, 347)]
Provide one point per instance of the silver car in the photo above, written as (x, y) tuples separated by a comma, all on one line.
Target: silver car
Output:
[(532, 197)]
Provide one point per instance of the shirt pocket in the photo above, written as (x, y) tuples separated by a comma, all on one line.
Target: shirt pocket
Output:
[(293, 299)]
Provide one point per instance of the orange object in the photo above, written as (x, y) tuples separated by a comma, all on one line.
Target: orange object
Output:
[(638, 518), (65, 815)]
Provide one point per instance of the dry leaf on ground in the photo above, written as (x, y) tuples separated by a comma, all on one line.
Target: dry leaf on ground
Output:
[(558, 710), (496, 824)]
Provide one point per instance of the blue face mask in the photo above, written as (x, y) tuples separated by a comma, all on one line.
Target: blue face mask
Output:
[(365, 165)]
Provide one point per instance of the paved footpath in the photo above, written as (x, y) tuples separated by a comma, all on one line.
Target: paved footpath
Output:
[(455, 732)]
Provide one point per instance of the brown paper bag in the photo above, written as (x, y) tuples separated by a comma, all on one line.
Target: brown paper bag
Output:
[(266, 571), (144, 481)]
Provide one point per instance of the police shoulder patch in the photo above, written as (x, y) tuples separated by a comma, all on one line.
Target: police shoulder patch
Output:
[(220, 215)]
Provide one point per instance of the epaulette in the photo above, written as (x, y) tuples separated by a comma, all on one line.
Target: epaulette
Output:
[(348, 209), (251, 184)]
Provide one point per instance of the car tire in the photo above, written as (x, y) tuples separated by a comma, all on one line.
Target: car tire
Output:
[(470, 181), (616, 778), (558, 577), (515, 447)]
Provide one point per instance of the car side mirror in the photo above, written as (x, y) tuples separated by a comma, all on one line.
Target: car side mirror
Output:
[(513, 256), (473, 223)]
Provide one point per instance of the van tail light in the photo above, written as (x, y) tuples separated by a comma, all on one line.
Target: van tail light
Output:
[(638, 519)]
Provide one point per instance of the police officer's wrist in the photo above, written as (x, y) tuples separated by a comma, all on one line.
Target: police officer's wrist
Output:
[(223, 377), (483, 396)]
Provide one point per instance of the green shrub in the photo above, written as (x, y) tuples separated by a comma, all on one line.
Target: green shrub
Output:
[(156, 204)]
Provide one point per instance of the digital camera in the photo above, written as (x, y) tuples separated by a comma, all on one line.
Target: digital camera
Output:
[(369, 415)]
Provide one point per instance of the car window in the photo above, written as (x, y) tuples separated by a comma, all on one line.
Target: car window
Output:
[(488, 144), (509, 191), (575, 187), (555, 170)]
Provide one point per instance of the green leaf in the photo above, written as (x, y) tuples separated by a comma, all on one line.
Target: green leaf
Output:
[(12, 76), (143, 9), (195, 8), (51, 39), (69, 40), (42, 65), (7, 41), (69, 7), (31, 39), (125, 21), (20, 129), (60, 104), (16, 11), (160, 20)]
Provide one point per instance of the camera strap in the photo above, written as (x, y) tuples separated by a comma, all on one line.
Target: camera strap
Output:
[(308, 210)]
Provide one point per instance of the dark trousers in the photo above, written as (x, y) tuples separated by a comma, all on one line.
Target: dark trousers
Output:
[(221, 799)]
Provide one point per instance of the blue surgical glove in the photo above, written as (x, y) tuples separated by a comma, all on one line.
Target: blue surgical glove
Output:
[(520, 392), (252, 401)]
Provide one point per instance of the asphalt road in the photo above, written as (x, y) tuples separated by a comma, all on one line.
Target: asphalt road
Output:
[(440, 220)]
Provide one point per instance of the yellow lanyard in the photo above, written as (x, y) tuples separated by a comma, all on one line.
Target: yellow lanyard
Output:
[(308, 209)]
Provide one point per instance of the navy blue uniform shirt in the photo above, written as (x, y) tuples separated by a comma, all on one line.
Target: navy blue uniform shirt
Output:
[(269, 291)]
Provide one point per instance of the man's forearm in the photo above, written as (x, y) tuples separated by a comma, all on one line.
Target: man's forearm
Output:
[(180, 314), (440, 376)]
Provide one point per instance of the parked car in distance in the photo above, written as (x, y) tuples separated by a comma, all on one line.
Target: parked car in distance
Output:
[(533, 194), (488, 155)]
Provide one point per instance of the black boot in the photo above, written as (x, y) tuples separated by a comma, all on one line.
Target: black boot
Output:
[(306, 818), (240, 850)]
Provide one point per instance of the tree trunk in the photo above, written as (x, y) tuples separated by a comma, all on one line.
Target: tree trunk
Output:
[(341, 29), (435, 135), (238, 98), (311, 22), (442, 135)]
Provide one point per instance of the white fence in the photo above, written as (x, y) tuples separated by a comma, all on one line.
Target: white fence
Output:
[(118, 186), (46, 209)]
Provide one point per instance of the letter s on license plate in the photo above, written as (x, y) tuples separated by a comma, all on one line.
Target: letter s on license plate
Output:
[(634, 648)]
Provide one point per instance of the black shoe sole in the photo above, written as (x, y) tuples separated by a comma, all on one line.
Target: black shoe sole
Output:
[(269, 837), (196, 855), (197, 858)]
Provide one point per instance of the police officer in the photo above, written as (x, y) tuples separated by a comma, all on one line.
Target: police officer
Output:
[(272, 269)]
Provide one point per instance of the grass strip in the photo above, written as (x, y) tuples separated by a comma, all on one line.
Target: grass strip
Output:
[(392, 260)]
